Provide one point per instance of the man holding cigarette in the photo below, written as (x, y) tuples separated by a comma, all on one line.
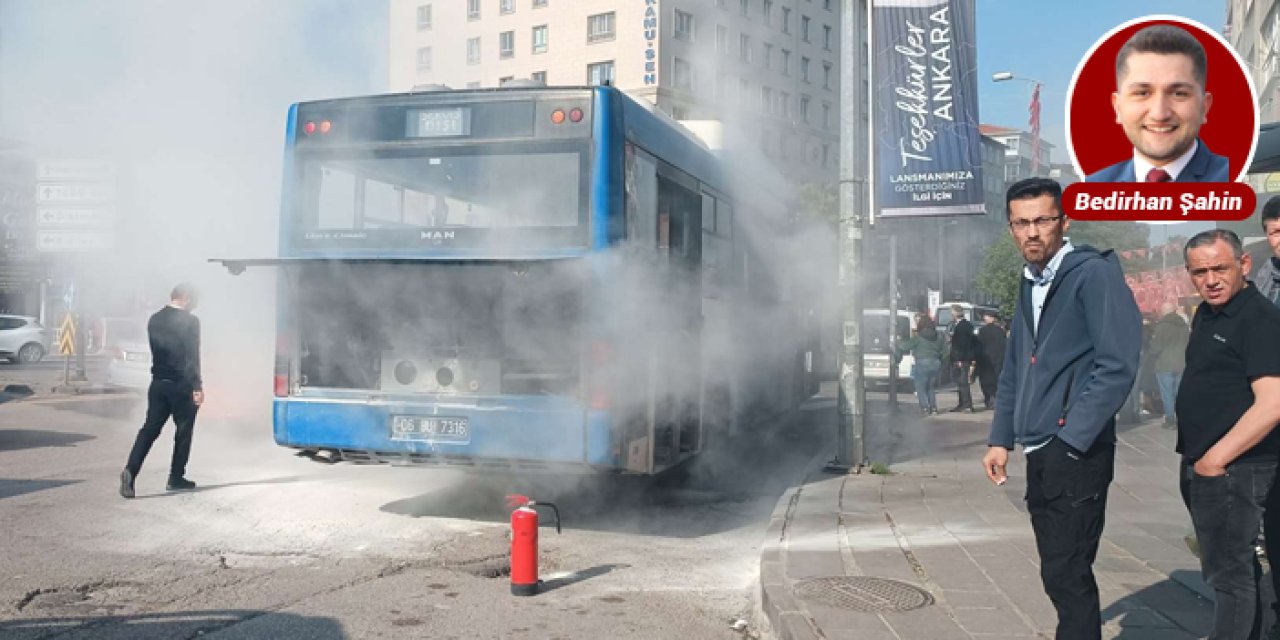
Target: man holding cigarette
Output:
[(1071, 360)]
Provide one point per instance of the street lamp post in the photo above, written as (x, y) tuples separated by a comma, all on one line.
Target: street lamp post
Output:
[(1034, 108)]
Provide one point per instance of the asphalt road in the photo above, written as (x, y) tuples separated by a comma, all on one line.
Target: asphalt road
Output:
[(275, 546)]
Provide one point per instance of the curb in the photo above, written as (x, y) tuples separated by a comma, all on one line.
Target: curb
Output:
[(788, 620)]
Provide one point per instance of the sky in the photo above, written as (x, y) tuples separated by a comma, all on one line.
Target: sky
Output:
[(1045, 41)]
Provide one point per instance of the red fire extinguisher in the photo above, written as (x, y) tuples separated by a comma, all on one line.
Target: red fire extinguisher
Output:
[(524, 543)]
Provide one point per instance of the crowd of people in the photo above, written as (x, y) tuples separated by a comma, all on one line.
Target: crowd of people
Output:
[(969, 355)]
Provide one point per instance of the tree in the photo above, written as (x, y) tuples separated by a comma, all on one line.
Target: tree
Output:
[(999, 274), (820, 201), (1118, 235)]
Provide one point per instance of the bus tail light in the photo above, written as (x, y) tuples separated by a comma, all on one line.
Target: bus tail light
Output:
[(557, 116), (284, 363), (575, 115), (309, 128)]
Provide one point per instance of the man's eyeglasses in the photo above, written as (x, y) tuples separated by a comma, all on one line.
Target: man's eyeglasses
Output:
[(1040, 223)]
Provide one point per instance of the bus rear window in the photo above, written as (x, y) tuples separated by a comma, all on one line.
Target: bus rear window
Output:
[(425, 198)]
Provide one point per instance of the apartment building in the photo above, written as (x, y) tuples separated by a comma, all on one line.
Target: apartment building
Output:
[(768, 68)]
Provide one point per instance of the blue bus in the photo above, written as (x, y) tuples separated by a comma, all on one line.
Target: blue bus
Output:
[(521, 278)]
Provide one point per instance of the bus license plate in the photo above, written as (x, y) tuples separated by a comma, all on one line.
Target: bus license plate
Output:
[(430, 429)]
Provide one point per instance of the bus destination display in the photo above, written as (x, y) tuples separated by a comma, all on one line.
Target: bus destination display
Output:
[(439, 123)]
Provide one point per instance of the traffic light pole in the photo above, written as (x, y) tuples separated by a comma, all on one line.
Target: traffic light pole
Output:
[(854, 199)]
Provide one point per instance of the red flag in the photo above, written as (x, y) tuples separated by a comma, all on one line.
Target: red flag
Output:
[(1035, 129)]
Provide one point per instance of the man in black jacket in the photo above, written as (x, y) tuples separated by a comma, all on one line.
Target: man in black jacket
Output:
[(964, 351), (991, 340), (175, 390)]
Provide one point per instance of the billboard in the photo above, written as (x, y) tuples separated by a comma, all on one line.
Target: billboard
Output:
[(927, 150)]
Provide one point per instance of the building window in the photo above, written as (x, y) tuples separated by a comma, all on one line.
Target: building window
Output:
[(804, 109), (826, 75), (744, 47), (473, 85), (539, 3), (766, 99), (473, 50), (826, 115), (826, 37), (744, 88), (720, 3), (506, 44), (826, 4), (600, 72), (786, 62), (804, 68), (473, 9), (804, 28), (767, 11), (600, 27), (540, 39), (786, 19), (722, 85), (784, 104), (424, 59), (746, 7), (506, 6), (539, 76), (722, 40), (682, 74), (826, 154), (768, 55), (424, 18), (684, 26)]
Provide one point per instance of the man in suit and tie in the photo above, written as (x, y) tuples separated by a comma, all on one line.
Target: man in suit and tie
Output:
[(1161, 103)]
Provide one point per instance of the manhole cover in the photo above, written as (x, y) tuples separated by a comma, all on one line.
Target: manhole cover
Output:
[(862, 593)]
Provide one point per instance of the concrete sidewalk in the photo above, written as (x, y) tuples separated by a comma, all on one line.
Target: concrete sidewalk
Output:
[(935, 522)]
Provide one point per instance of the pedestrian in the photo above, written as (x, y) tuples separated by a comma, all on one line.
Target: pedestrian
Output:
[(991, 342), (1168, 350), (1267, 280), (1227, 408), (1071, 360), (175, 389), (964, 350), (926, 348)]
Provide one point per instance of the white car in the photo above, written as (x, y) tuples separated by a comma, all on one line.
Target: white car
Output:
[(875, 348), (130, 363), (23, 339)]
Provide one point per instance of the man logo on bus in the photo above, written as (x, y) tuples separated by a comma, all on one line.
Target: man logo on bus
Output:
[(438, 236)]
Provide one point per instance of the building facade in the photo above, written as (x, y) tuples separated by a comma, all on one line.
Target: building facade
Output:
[(768, 68), (1252, 28)]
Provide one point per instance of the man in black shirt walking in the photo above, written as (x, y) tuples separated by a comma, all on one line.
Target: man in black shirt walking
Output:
[(964, 347), (1227, 409), (175, 387)]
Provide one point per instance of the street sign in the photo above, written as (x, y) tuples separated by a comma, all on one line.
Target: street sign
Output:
[(75, 193), (54, 241), (78, 217), (72, 170), (67, 336)]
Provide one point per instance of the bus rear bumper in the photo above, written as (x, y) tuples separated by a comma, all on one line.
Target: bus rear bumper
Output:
[(510, 432)]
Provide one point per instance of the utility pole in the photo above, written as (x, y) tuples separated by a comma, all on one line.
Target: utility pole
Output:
[(893, 322), (854, 199)]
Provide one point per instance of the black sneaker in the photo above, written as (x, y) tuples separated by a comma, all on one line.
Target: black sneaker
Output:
[(180, 484), (126, 484)]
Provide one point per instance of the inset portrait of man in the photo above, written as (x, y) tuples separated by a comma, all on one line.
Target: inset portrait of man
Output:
[(1160, 101)]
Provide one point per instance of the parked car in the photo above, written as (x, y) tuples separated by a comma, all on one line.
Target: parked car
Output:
[(876, 356), (130, 363), (23, 339)]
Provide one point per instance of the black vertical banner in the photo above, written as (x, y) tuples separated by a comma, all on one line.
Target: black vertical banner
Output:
[(928, 154)]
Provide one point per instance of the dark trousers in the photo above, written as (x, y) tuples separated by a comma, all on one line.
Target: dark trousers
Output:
[(988, 376), (1271, 539), (1067, 499), (960, 371), (166, 398), (1226, 512)]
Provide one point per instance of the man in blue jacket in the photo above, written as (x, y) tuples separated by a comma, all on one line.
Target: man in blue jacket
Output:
[(1071, 359), (1161, 102)]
